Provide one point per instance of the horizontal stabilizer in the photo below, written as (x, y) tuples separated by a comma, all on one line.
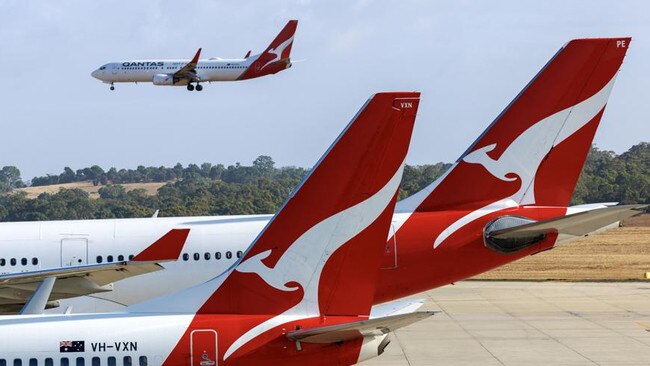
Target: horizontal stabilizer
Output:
[(354, 330), (396, 308), (579, 224)]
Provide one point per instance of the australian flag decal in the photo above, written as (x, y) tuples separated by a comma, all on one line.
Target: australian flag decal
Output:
[(72, 346)]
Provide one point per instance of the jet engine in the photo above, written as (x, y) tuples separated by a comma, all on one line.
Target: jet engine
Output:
[(163, 79)]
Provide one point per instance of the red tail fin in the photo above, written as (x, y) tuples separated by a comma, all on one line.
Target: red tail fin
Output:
[(276, 57), (532, 154), (321, 253)]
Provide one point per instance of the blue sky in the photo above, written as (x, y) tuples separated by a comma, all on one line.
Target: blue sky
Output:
[(468, 58)]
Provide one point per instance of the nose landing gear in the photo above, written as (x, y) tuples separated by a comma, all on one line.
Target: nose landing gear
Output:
[(112, 86)]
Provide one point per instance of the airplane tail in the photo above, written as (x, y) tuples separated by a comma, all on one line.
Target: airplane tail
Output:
[(321, 252), (276, 57), (533, 152)]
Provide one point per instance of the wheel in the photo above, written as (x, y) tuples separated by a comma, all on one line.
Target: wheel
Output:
[(190, 87), (112, 87), (199, 87)]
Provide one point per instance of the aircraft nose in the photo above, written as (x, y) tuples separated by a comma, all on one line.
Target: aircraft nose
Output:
[(95, 74)]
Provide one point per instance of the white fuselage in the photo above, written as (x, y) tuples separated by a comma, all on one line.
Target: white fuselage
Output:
[(103, 335), (213, 245), (141, 71)]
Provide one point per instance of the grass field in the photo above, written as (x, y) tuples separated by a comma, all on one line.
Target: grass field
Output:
[(33, 192), (620, 254)]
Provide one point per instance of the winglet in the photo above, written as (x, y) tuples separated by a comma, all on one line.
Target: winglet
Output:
[(167, 248), (196, 57), (248, 54)]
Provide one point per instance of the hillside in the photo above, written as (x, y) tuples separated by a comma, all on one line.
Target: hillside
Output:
[(151, 189)]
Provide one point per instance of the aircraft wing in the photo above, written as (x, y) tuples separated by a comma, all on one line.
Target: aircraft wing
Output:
[(571, 226), (17, 288), (358, 329), (189, 70)]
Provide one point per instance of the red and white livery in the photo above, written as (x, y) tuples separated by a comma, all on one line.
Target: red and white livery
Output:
[(301, 294), (193, 72)]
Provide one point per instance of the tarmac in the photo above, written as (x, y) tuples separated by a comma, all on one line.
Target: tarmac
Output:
[(527, 323)]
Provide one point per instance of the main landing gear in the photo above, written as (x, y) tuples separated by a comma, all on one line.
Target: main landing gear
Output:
[(190, 87)]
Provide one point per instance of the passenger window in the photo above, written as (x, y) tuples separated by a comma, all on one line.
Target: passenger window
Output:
[(131, 256), (2, 263), (95, 361), (127, 361), (143, 360), (65, 361), (34, 261), (239, 253), (109, 258), (217, 255), (228, 255), (3, 362), (112, 361), (49, 362), (206, 256), (18, 362), (33, 362), (186, 257), (23, 261), (120, 258), (99, 259), (81, 361), (13, 261), (197, 256)]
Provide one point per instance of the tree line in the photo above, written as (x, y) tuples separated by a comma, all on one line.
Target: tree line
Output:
[(261, 188)]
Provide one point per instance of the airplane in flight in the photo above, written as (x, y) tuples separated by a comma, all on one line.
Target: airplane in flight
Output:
[(301, 294), (505, 198), (274, 59)]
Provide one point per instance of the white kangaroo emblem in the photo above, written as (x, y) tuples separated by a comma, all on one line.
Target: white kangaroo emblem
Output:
[(277, 51), (522, 158), (304, 260)]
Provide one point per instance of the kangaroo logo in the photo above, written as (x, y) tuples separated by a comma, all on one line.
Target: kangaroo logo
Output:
[(522, 158), (277, 51), (300, 265)]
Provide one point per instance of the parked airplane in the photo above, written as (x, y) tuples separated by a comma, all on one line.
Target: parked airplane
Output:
[(505, 198), (274, 59), (73, 276), (301, 294)]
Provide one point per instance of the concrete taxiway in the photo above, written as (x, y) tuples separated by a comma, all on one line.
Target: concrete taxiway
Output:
[(528, 323)]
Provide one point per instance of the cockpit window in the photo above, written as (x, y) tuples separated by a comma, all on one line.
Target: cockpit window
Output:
[(102, 68)]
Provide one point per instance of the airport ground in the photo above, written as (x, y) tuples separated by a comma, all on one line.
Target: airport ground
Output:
[(586, 303), (527, 323)]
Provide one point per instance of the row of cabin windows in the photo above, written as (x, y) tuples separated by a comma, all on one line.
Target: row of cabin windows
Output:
[(176, 68), (207, 255), (110, 258), (14, 261), (79, 361)]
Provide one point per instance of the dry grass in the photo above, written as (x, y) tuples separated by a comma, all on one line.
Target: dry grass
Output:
[(33, 192), (619, 254)]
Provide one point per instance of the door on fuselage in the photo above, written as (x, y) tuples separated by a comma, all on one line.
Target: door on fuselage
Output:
[(389, 261), (74, 252), (203, 347)]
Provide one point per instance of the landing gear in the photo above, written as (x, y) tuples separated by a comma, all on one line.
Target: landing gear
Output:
[(199, 87), (112, 87), (190, 87)]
